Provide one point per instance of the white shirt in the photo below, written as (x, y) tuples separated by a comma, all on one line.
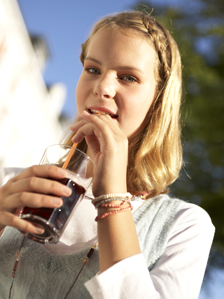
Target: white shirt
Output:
[(181, 265)]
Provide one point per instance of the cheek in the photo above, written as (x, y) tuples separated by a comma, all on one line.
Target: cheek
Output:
[(136, 109), (138, 106)]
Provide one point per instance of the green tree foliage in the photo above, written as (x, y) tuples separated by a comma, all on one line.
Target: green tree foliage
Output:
[(198, 29)]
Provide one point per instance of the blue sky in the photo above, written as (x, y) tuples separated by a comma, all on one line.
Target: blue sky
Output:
[(65, 24)]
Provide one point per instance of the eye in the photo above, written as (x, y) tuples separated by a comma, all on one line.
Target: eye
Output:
[(92, 70), (129, 79)]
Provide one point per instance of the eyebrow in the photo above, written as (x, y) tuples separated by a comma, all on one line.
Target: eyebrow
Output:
[(126, 67), (93, 59)]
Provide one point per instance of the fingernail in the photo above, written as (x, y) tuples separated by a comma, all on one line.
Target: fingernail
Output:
[(57, 201), (39, 230), (85, 112), (72, 126), (66, 190), (62, 171)]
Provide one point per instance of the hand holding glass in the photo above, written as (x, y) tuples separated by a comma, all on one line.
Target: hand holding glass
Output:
[(55, 220)]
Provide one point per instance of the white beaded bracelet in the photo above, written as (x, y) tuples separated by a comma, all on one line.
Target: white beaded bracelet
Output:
[(116, 195)]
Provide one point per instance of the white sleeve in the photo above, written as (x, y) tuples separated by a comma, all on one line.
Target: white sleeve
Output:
[(177, 274), (7, 173)]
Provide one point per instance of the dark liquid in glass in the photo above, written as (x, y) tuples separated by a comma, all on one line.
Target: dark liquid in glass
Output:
[(56, 217)]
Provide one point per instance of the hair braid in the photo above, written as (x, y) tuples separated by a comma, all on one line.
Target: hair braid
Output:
[(158, 35)]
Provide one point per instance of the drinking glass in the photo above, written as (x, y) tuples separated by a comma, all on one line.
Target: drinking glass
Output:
[(78, 179)]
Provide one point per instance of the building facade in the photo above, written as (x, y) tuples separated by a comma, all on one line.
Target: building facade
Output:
[(29, 110)]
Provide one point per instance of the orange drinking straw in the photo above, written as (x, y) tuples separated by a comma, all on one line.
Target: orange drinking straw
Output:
[(69, 155), (72, 151)]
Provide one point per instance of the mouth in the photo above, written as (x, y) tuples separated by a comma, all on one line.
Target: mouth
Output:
[(98, 112)]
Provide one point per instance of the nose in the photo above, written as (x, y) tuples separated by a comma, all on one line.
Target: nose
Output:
[(105, 87)]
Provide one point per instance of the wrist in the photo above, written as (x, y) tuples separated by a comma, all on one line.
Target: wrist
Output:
[(109, 189)]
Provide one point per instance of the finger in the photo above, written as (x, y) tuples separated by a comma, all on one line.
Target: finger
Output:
[(93, 144), (91, 118), (86, 123), (32, 200), (102, 122), (45, 171), (104, 128), (101, 133), (8, 219), (75, 127), (86, 130), (40, 185)]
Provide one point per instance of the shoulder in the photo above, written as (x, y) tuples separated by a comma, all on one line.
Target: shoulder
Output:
[(192, 220), (186, 218), (192, 213), (187, 214)]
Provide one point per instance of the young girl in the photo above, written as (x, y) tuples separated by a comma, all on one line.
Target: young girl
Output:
[(128, 99)]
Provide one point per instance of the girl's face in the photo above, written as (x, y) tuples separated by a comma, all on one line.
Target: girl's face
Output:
[(118, 79)]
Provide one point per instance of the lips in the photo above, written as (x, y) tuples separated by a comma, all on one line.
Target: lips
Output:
[(102, 112)]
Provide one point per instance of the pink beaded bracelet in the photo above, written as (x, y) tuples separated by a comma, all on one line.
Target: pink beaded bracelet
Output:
[(110, 205), (112, 213), (98, 204)]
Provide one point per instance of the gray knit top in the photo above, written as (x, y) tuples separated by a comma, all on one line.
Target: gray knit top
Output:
[(42, 275)]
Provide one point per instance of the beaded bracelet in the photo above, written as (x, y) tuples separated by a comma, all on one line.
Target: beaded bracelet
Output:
[(112, 213), (107, 205), (106, 196), (99, 203)]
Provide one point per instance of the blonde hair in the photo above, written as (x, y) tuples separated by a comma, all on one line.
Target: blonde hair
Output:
[(155, 155)]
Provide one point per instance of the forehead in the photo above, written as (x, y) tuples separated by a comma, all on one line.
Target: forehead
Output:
[(131, 32), (129, 41)]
